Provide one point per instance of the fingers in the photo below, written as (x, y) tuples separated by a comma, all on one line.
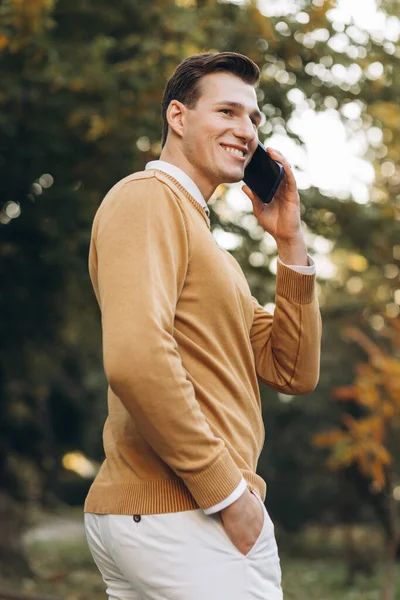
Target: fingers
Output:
[(255, 201), (276, 155), (288, 183), (248, 192)]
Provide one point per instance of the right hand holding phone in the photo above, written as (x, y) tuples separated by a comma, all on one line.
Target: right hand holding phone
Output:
[(281, 217), (243, 521)]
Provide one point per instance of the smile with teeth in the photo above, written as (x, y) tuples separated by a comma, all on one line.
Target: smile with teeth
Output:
[(234, 151)]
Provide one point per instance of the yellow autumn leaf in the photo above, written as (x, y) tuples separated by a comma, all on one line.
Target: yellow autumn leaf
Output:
[(327, 439), (388, 410), (98, 128), (344, 392), (377, 475), (3, 42)]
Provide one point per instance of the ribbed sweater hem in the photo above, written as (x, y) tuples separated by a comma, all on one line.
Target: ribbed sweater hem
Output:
[(150, 497)]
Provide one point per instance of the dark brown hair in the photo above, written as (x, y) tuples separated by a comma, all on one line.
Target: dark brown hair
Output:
[(184, 83)]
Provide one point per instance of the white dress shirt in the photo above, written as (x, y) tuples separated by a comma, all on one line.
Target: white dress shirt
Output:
[(188, 183), (182, 178)]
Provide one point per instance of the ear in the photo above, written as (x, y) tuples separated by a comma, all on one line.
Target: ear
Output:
[(176, 113)]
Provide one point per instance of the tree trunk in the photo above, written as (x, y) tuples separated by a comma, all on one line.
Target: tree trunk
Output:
[(392, 545), (13, 562), (388, 588)]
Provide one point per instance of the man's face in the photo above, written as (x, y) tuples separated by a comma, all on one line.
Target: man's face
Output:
[(219, 138)]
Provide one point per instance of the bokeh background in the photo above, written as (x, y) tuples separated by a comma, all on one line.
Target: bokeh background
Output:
[(80, 88)]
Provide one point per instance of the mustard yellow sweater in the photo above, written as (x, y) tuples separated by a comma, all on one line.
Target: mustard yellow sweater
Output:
[(183, 344)]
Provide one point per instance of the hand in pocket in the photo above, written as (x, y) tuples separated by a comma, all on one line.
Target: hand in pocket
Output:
[(243, 521)]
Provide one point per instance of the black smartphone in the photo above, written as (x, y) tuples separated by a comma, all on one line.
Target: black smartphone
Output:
[(263, 174)]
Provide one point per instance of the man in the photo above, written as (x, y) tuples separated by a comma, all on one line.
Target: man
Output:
[(176, 511)]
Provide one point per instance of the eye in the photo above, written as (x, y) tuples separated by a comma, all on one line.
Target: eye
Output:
[(230, 111)]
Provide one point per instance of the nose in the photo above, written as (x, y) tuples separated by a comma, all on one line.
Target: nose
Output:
[(245, 130)]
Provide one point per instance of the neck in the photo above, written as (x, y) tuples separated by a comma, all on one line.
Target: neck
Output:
[(175, 157)]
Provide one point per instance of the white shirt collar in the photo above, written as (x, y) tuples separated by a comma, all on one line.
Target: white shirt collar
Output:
[(186, 181)]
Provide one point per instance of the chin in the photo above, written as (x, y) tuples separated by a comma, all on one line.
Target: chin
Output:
[(230, 177), (227, 175)]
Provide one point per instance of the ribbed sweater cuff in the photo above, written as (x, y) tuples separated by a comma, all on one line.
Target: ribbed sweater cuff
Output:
[(215, 483), (296, 287)]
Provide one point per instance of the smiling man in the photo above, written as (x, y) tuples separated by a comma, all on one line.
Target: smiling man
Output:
[(177, 511)]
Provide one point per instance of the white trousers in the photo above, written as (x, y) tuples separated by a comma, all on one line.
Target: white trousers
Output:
[(181, 556)]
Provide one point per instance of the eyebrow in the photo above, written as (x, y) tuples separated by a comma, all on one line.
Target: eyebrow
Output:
[(255, 113)]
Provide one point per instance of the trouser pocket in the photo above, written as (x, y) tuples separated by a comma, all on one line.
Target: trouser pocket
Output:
[(267, 524)]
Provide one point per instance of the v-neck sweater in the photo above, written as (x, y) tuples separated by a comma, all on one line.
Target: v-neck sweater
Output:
[(184, 344)]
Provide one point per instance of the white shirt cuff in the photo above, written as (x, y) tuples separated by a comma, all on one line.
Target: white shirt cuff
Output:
[(309, 270), (229, 500)]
